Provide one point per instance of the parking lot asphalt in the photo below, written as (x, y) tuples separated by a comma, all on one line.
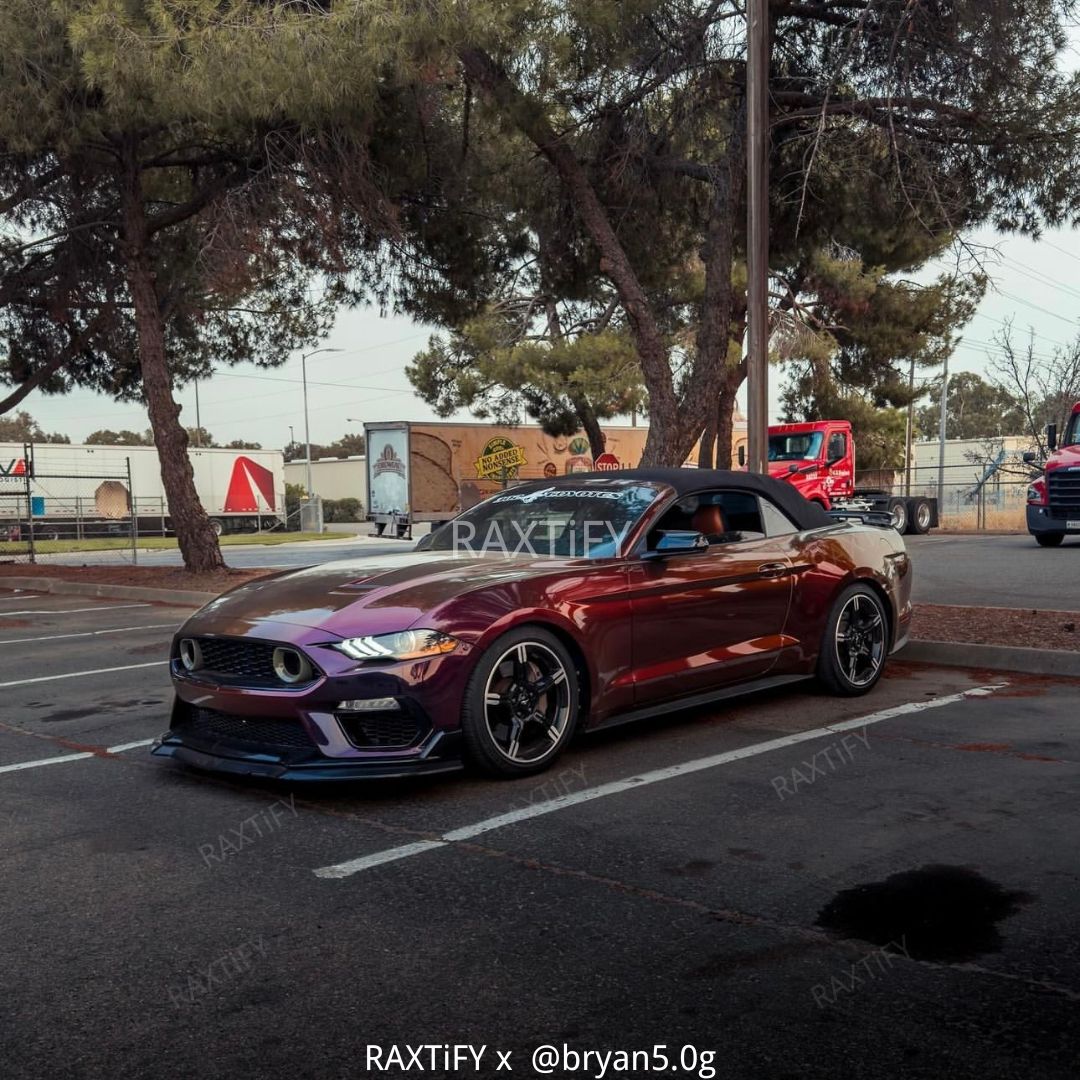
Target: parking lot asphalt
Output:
[(794, 884)]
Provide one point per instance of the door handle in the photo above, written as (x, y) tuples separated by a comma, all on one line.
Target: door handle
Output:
[(772, 570)]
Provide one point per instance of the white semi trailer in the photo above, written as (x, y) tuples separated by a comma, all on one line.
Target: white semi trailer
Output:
[(76, 490)]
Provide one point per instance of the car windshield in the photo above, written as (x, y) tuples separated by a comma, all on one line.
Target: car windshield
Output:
[(588, 521), (1072, 432), (803, 447)]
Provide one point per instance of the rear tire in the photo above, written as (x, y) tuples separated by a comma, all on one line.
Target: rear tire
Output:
[(217, 525), (521, 704), (855, 644), (1048, 539), (920, 517), (899, 510)]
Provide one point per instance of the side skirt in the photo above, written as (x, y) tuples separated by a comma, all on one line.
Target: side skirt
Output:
[(662, 708)]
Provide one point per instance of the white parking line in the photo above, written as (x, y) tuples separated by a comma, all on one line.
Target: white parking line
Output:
[(20, 596), (82, 756), (616, 787), (79, 674), (75, 610), (88, 633)]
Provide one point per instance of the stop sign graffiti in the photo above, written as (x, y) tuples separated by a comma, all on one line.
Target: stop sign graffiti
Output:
[(606, 463)]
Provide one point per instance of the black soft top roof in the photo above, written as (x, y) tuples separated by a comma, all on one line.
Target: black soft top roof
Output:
[(805, 514)]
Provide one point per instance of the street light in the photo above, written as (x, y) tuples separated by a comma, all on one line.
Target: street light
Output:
[(307, 427)]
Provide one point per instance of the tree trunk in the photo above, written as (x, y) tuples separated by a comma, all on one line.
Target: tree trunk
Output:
[(663, 442), (708, 441), (590, 425), (198, 542), (725, 413)]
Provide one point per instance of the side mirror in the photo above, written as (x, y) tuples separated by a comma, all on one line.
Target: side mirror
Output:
[(1051, 436), (677, 542), (742, 455), (425, 541), (1030, 457)]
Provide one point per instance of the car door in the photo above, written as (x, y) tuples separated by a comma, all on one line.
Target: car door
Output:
[(706, 620)]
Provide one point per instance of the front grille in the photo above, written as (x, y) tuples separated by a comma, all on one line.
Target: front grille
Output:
[(384, 730), (240, 661), (1063, 488), (212, 726)]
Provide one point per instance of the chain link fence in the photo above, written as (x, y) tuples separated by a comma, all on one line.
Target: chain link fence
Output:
[(49, 516), (973, 496)]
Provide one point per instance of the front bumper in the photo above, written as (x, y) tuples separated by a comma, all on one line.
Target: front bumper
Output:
[(442, 755), (1040, 520), (301, 734)]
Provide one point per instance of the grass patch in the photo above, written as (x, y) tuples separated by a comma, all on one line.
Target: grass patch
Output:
[(120, 543)]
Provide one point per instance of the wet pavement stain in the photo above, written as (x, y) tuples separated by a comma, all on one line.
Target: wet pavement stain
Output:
[(948, 914)]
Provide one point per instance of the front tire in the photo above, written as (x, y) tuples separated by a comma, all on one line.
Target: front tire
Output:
[(1049, 539), (521, 704), (855, 643)]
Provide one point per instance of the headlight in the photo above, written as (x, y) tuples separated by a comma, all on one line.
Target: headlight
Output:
[(1036, 493), (406, 645)]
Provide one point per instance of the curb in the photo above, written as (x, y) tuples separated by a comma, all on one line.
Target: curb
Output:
[(993, 657), (104, 591)]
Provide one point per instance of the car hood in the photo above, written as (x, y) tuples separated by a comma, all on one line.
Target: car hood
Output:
[(1064, 457), (375, 594)]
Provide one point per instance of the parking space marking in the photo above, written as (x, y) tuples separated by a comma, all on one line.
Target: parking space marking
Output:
[(81, 756), (79, 674), (616, 787), (75, 610), (88, 633)]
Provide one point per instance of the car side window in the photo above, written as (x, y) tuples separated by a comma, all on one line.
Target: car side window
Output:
[(723, 517), (837, 446), (776, 522)]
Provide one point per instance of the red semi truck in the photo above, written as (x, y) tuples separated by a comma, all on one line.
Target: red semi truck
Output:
[(819, 459), (1053, 500)]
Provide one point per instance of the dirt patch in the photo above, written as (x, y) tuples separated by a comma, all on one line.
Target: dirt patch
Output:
[(148, 577), (998, 626)]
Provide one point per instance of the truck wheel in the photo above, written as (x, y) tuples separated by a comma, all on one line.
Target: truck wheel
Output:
[(217, 525), (1048, 539), (920, 517), (899, 510)]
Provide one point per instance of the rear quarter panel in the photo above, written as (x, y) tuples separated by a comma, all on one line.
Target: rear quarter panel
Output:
[(835, 558)]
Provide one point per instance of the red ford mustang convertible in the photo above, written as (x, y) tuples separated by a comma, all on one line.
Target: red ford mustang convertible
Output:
[(552, 607)]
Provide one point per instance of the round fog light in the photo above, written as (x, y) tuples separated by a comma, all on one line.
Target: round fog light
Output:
[(190, 654), (291, 666)]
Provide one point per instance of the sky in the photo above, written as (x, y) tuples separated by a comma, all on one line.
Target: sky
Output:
[(1034, 283)]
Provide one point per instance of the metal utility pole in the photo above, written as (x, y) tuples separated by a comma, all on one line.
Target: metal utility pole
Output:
[(910, 433), (942, 420), (307, 427), (757, 231)]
